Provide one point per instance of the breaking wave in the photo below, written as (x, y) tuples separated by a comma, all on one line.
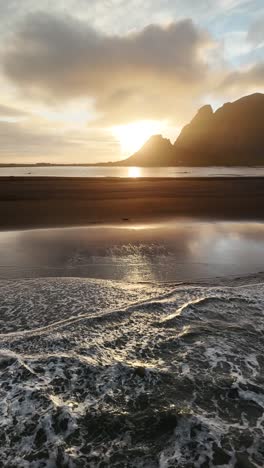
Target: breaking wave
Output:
[(108, 374)]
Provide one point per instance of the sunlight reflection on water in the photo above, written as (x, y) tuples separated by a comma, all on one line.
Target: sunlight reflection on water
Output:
[(177, 250), (115, 171), (134, 172)]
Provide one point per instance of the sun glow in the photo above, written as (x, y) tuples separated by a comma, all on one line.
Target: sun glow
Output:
[(132, 136)]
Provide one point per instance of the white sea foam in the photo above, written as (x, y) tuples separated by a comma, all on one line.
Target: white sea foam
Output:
[(103, 373)]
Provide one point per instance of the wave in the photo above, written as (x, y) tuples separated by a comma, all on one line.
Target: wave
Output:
[(104, 373)]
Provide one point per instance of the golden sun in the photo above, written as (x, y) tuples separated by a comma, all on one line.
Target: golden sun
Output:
[(132, 136)]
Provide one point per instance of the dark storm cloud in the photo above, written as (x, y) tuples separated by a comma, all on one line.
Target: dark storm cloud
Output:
[(64, 58)]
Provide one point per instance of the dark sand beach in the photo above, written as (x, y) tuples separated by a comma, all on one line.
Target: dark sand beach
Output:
[(47, 202)]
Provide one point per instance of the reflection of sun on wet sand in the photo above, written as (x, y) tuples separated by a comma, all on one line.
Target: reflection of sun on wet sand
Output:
[(176, 250), (51, 201)]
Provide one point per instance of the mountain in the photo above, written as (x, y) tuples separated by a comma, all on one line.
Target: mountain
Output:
[(153, 153), (233, 135)]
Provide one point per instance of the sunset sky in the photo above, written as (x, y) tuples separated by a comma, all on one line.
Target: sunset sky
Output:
[(90, 80)]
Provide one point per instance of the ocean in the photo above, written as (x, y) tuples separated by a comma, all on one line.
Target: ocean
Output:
[(119, 347), (100, 373), (98, 171)]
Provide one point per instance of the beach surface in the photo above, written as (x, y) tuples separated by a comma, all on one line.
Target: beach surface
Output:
[(50, 201), (126, 342)]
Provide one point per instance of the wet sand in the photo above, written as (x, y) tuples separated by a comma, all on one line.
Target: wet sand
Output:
[(46, 202), (170, 251)]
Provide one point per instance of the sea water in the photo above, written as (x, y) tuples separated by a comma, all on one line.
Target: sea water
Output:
[(137, 370), (106, 373), (134, 172)]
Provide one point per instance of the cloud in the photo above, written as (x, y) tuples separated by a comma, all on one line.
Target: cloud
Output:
[(6, 112), (139, 75), (19, 140), (35, 141), (244, 80), (256, 32), (124, 15), (244, 51)]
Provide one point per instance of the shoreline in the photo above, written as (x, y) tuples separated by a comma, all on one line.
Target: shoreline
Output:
[(227, 281), (39, 202)]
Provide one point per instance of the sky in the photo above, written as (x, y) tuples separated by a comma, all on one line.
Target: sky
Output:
[(86, 81)]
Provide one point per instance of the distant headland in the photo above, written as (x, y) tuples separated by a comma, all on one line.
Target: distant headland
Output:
[(233, 135)]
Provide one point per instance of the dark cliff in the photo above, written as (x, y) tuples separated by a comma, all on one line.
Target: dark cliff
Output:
[(233, 135)]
